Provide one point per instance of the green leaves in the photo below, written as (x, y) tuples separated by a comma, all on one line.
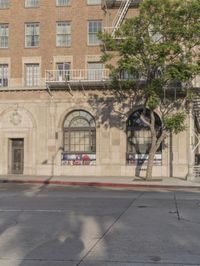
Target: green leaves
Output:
[(153, 102), (182, 71), (161, 45), (107, 40), (175, 122)]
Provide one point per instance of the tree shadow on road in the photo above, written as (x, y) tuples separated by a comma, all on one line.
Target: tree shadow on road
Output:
[(36, 233), (64, 245)]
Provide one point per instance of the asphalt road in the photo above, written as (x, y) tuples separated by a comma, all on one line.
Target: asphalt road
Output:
[(54, 226)]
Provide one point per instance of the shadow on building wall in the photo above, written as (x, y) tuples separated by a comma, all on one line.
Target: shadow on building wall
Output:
[(112, 109)]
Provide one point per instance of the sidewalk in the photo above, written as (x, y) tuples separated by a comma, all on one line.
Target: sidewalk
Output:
[(110, 182)]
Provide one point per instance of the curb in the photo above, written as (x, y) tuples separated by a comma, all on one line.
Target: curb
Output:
[(97, 184)]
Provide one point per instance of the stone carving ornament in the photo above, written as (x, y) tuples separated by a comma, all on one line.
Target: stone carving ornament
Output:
[(15, 118)]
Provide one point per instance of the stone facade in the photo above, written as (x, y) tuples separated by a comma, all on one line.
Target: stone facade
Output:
[(40, 120)]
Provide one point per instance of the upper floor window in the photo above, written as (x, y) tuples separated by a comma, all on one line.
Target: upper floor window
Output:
[(3, 75), (95, 71), (63, 71), (4, 3), (32, 75), (32, 34), (4, 31), (32, 3), (93, 28), (127, 75), (93, 2), (62, 2), (63, 34)]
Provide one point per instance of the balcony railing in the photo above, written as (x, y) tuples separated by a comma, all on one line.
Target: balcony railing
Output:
[(89, 77), (108, 29), (111, 30), (76, 75), (117, 3)]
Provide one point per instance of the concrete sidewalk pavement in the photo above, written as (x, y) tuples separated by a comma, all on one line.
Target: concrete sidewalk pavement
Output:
[(110, 182)]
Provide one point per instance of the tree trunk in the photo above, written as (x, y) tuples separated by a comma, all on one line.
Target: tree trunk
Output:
[(154, 147), (152, 153), (155, 142)]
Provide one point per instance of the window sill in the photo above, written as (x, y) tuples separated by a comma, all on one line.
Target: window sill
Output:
[(32, 47), (93, 45), (69, 46), (64, 5)]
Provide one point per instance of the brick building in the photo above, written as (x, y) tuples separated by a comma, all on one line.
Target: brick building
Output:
[(57, 115)]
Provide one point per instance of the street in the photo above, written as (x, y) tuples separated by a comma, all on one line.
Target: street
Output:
[(54, 225)]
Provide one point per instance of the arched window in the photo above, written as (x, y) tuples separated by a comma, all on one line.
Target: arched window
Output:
[(79, 133), (139, 137)]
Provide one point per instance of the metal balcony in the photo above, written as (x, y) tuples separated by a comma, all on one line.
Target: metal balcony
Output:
[(117, 3), (86, 77)]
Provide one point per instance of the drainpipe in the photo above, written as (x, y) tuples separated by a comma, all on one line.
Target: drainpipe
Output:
[(190, 175)]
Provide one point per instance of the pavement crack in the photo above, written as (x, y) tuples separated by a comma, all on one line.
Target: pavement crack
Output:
[(109, 228), (176, 206), (189, 221)]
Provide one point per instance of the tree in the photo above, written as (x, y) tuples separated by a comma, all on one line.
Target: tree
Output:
[(158, 50)]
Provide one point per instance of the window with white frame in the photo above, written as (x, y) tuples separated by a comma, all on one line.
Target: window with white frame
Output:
[(4, 33), (3, 75), (63, 71), (95, 71), (4, 3), (94, 27), (62, 2), (63, 34), (32, 75), (32, 3), (32, 34), (93, 2)]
